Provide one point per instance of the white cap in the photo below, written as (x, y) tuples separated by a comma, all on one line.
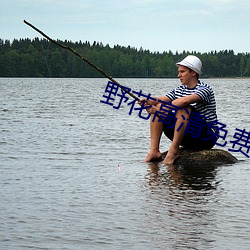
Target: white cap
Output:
[(191, 62)]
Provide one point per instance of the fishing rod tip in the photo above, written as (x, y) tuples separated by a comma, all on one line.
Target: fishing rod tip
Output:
[(26, 22)]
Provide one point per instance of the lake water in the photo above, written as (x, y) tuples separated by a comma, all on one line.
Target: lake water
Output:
[(72, 174)]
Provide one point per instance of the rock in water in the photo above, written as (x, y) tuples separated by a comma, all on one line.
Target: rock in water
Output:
[(204, 157)]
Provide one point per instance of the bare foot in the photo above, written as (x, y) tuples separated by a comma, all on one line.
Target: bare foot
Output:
[(153, 156), (170, 157)]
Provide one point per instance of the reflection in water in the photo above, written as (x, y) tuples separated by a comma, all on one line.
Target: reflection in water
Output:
[(184, 176), (183, 196)]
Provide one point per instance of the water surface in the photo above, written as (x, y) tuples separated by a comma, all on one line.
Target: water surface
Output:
[(72, 175)]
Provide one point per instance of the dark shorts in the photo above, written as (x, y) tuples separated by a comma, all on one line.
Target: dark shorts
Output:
[(188, 141)]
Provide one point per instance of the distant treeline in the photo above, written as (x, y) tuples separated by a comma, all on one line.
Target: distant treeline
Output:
[(41, 58)]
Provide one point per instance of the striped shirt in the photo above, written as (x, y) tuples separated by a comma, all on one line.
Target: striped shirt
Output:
[(207, 106)]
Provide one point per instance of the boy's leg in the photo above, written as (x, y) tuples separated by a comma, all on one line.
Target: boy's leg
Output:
[(156, 129), (173, 151)]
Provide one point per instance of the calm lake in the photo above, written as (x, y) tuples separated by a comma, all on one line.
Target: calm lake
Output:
[(72, 174)]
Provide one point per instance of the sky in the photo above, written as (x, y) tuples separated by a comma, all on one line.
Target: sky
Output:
[(155, 25)]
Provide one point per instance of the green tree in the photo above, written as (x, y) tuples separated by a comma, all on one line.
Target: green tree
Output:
[(247, 69)]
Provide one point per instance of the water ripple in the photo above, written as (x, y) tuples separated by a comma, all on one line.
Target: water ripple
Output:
[(72, 175)]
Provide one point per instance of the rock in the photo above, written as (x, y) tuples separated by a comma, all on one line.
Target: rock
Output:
[(204, 157)]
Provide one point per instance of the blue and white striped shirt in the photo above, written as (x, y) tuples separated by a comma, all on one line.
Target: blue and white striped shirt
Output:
[(207, 106)]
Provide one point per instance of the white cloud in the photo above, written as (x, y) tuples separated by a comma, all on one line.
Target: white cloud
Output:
[(84, 6), (149, 2), (221, 2), (152, 24)]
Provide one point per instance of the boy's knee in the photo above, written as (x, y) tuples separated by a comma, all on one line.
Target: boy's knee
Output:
[(184, 111), (158, 105)]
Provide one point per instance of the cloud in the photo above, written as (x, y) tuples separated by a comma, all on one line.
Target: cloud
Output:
[(152, 24), (84, 6), (225, 5), (149, 2), (222, 2)]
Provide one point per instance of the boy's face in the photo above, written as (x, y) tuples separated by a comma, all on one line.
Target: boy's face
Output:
[(185, 75)]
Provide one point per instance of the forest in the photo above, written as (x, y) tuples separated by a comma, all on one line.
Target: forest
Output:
[(41, 58)]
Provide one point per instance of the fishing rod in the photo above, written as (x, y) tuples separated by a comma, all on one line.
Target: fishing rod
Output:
[(83, 58)]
